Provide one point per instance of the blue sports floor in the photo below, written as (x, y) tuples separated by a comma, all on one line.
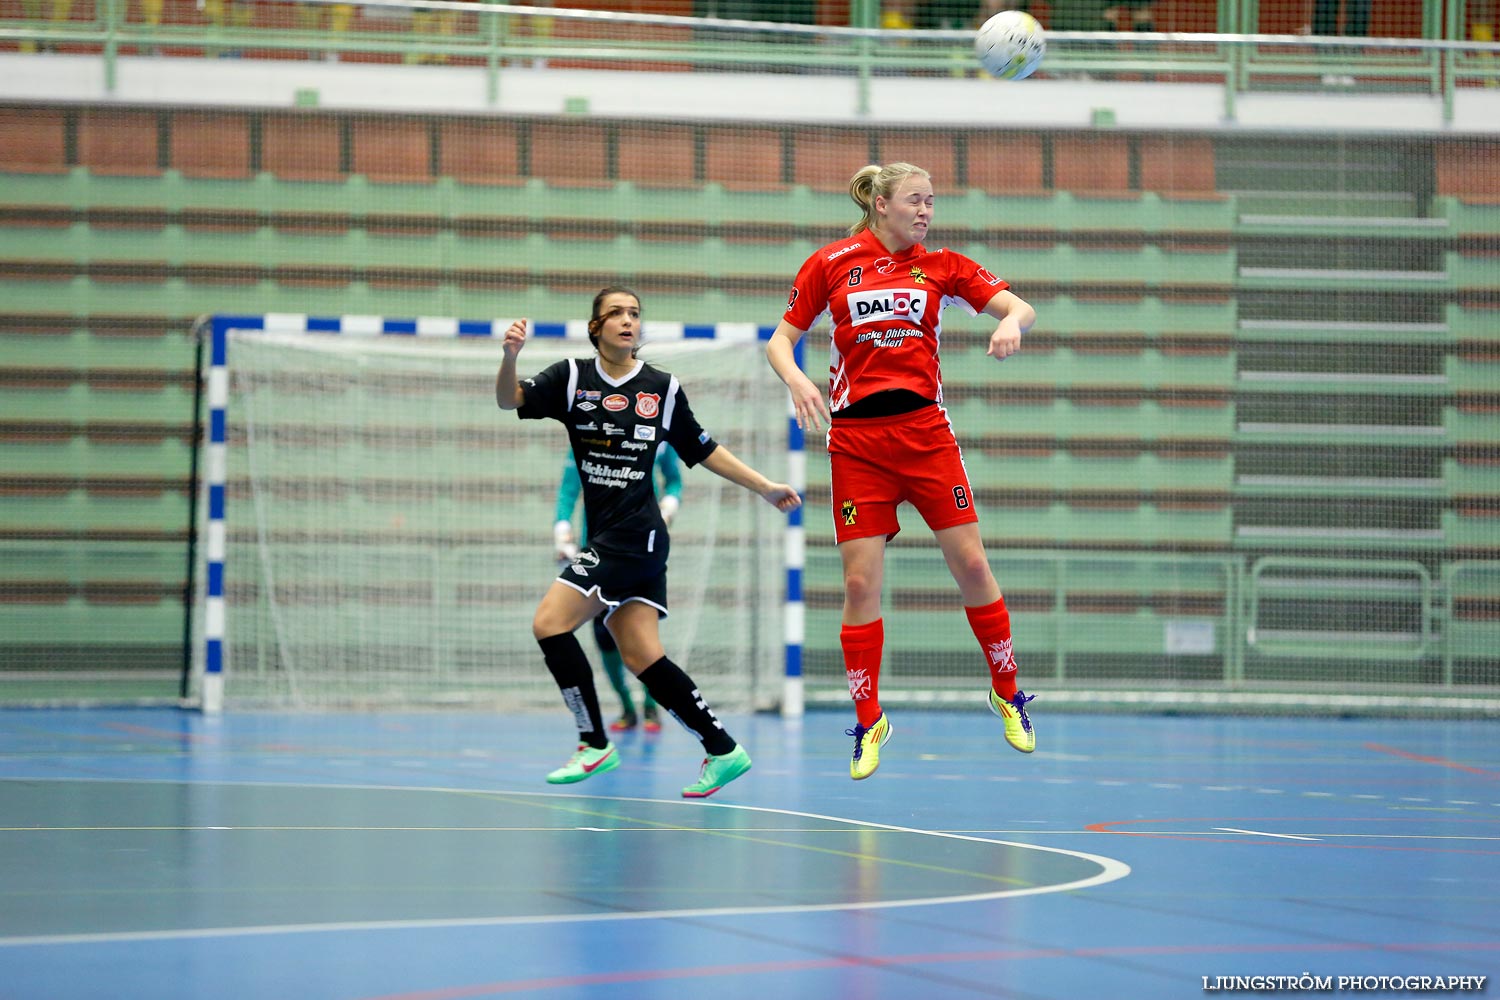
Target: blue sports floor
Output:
[(160, 854)]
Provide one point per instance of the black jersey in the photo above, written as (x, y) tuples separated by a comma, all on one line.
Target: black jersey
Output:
[(615, 426)]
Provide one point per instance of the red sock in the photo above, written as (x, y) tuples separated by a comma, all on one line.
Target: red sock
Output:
[(991, 625), (862, 645)]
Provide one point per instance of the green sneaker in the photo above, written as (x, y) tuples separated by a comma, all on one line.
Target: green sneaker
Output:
[(718, 772), (585, 763)]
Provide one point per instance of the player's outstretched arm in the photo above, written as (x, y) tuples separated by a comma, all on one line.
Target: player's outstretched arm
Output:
[(808, 404), (508, 392), (1016, 316), (722, 462)]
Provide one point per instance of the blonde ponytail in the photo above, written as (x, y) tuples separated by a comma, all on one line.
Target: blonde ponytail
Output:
[(874, 181), (862, 192)]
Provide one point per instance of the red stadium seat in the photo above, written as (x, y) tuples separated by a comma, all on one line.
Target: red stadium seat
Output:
[(1469, 170), (825, 159), (934, 152), (119, 142), (301, 147), (1090, 164), (479, 151), (1005, 163), (209, 144), (33, 140), (657, 155), (744, 158), (1177, 165), (396, 150), (571, 153)]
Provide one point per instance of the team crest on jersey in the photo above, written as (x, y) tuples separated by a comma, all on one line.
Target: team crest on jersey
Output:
[(615, 402), (647, 404), (918, 276), (848, 512), (906, 304)]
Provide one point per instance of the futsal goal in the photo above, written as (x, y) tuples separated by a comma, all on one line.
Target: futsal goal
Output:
[(375, 532)]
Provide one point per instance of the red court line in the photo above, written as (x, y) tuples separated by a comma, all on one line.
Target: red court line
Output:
[(928, 958), (1424, 759), (167, 734)]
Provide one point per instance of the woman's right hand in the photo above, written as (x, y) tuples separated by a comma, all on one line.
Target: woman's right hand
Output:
[(808, 404), (515, 338)]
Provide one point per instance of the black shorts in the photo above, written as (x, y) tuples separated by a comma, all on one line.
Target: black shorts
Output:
[(617, 578)]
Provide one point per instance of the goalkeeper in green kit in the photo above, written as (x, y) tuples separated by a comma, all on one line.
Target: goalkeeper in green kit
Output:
[(669, 492)]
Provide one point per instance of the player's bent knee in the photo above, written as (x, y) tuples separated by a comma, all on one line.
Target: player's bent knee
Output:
[(546, 624)]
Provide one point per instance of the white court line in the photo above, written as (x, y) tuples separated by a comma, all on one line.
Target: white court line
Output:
[(1110, 870), (1262, 833)]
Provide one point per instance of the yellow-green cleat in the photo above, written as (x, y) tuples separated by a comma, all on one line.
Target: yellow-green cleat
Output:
[(585, 763), (717, 772), (1018, 731), (867, 743)]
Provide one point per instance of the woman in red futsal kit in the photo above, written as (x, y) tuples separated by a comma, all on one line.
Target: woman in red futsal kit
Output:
[(889, 439)]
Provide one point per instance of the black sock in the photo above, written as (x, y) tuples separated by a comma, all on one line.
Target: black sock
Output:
[(675, 691), (575, 679)]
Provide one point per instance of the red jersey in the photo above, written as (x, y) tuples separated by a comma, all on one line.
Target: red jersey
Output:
[(886, 310)]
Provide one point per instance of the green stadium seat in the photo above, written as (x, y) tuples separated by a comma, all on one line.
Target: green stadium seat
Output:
[(1471, 217), (1471, 477), (46, 458), (1062, 470), (168, 349), (1062, 419), (1070, 366), (79, 402), (78, 512)]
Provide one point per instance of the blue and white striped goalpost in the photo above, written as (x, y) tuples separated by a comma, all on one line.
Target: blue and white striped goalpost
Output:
[(209, 659)]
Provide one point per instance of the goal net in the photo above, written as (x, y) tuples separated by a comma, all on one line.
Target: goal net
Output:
[(388, 530)]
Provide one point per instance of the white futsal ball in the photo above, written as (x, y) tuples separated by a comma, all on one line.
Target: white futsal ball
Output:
[(1010, 45)]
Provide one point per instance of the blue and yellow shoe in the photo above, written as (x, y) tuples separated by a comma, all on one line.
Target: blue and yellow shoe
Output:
[(585, 763), (867, 743), (1018, 731), (718, 772)]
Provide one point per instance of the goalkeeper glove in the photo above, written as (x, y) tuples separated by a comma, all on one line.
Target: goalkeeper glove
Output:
[(562, 541)]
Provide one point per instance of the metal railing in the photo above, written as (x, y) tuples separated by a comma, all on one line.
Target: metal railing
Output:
[(499, 37)]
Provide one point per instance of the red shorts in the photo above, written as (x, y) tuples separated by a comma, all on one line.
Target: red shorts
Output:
[(879, 462)]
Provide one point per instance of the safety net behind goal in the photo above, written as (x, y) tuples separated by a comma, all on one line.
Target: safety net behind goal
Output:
[(388, 530)]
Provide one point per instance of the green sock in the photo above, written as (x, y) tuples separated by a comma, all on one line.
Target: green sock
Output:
[(614, 666)]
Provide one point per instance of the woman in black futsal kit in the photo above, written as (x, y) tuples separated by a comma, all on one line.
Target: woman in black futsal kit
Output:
[(617, 409)]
